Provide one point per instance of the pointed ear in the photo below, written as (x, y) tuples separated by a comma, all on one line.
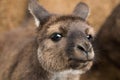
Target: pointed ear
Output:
[(38, 12), (81, 10)]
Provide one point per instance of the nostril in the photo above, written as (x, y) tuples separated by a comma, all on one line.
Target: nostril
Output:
[(81, 48)]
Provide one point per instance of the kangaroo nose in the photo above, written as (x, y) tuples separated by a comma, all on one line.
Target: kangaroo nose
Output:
[(85, 47), (81, 48)]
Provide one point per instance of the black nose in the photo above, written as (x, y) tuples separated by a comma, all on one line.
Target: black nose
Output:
[(81, 48), (86, 48)]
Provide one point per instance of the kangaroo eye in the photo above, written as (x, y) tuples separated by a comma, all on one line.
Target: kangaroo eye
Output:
[(89, 37), (56, 37)]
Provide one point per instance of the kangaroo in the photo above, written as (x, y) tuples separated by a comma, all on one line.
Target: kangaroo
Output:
[(61, 49)]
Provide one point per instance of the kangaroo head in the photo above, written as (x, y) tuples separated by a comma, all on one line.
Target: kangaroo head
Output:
[(64, 41)]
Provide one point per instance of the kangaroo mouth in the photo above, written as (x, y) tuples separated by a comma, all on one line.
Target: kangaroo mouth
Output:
[(80, 60), (80, 64)]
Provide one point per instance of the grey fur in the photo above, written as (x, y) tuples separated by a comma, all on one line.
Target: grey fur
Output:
[(39, 57)]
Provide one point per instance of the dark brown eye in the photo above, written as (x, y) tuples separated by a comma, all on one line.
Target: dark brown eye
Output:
[(89, 37), (56, 37)]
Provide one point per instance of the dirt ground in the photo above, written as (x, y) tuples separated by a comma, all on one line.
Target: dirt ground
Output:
[(14, 12)]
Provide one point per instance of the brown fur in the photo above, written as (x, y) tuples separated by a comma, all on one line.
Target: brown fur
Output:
[(38, 57), (107, 43)]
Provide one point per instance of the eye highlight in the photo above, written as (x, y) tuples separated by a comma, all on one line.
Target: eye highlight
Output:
[(56, 37), (89, 37)]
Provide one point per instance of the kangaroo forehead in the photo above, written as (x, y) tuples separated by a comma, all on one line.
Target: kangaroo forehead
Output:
[(55, 19), (65, 23)]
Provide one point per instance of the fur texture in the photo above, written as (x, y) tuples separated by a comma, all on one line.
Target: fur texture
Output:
[(61, 49)]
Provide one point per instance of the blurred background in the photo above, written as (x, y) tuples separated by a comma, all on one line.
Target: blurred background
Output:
[(104, 17)]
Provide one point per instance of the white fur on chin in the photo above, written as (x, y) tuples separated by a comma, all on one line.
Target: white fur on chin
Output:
[(64, 74)]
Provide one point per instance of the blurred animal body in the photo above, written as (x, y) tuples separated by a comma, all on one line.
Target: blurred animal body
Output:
[(60, 50)]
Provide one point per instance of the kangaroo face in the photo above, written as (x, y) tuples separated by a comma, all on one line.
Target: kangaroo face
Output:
[(64, 42)]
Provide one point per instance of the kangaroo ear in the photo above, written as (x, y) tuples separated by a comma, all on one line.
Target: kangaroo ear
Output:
[(38, 12), (81, 10)]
